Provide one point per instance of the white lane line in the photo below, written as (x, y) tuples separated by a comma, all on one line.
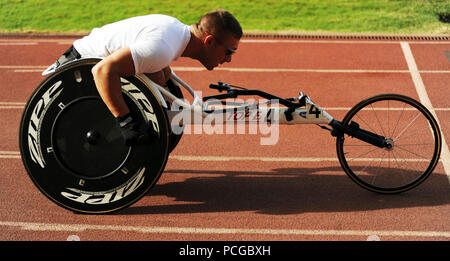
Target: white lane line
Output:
[(12, 105), (295, 41), (16, 155), (270, 159), (437, 71), (18, 43), (10, 155), (40, 68), (379, 109), (425, 100), (29, 71), (199, 69), (13, 67), (32, 226), (291, 70), (244, 40), (278, 159), (34, 41), (24, 68)]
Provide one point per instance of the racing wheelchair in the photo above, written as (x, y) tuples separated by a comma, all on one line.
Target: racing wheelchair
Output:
[(75, 155)]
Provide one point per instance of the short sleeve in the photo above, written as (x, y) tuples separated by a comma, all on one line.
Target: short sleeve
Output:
[(151, 56)]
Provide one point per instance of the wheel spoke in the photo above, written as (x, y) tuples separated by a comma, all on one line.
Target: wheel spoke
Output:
[(398, 120), (414, 133), (379, 123), (379, 168), (414, 167), (400, 147), (363, 154), (407, 127), (368, 125)]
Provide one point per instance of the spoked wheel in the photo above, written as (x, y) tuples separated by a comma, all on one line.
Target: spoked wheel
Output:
[(74, 152), (414, 144)]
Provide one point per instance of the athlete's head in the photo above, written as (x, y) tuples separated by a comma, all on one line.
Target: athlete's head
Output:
[(220, 33)]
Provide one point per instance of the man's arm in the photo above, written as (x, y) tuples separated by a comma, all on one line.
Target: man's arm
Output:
[(107, 75)]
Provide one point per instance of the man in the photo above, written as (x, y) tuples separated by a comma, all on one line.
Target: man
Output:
[(148, 44)]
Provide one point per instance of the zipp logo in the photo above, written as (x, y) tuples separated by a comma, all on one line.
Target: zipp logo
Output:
[(35, 121), (105, 197), (142, 101)]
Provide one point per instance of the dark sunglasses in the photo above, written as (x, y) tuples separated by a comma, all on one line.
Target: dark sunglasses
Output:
[(228, 51)]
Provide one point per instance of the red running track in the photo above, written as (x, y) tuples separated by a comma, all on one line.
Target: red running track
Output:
[(260, 192)]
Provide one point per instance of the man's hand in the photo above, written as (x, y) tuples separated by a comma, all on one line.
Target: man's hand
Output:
[(134, 131), (160, 77)]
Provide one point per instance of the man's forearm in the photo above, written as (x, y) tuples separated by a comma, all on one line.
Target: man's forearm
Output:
[(110, 90)]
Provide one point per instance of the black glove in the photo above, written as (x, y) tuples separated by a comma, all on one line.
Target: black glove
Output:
[(135, 131)]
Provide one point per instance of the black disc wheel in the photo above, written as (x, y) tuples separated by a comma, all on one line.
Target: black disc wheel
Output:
[(413, 138), (73, 150)]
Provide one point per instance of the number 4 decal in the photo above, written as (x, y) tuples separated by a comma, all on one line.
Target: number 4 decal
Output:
[(314, 110)]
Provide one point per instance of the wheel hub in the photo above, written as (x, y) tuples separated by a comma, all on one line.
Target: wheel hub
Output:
[(389, 144)]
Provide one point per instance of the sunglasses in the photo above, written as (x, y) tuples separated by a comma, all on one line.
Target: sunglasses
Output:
[(228, 51)]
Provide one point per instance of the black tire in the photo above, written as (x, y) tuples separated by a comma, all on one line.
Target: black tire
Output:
[(413, 132), (73, 150)]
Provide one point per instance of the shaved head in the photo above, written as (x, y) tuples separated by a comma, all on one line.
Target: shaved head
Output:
[(219, 23)]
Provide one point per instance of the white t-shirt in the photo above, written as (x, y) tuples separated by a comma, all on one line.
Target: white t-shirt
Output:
[(154, 40)]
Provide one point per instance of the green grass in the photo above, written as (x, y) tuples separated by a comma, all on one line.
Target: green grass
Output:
[(341, 16)]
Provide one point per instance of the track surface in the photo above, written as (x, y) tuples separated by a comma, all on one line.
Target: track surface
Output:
[(229, 187)]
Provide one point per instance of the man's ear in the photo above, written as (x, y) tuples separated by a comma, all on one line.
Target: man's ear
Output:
[(208, 40)]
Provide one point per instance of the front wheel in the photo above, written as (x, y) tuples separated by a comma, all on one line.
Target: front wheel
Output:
[(408, 127)]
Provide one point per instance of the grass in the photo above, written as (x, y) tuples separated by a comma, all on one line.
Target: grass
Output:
[(339, 16)]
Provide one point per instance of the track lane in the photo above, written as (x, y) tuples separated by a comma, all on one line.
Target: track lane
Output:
[(315, 197), (243, 195)]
